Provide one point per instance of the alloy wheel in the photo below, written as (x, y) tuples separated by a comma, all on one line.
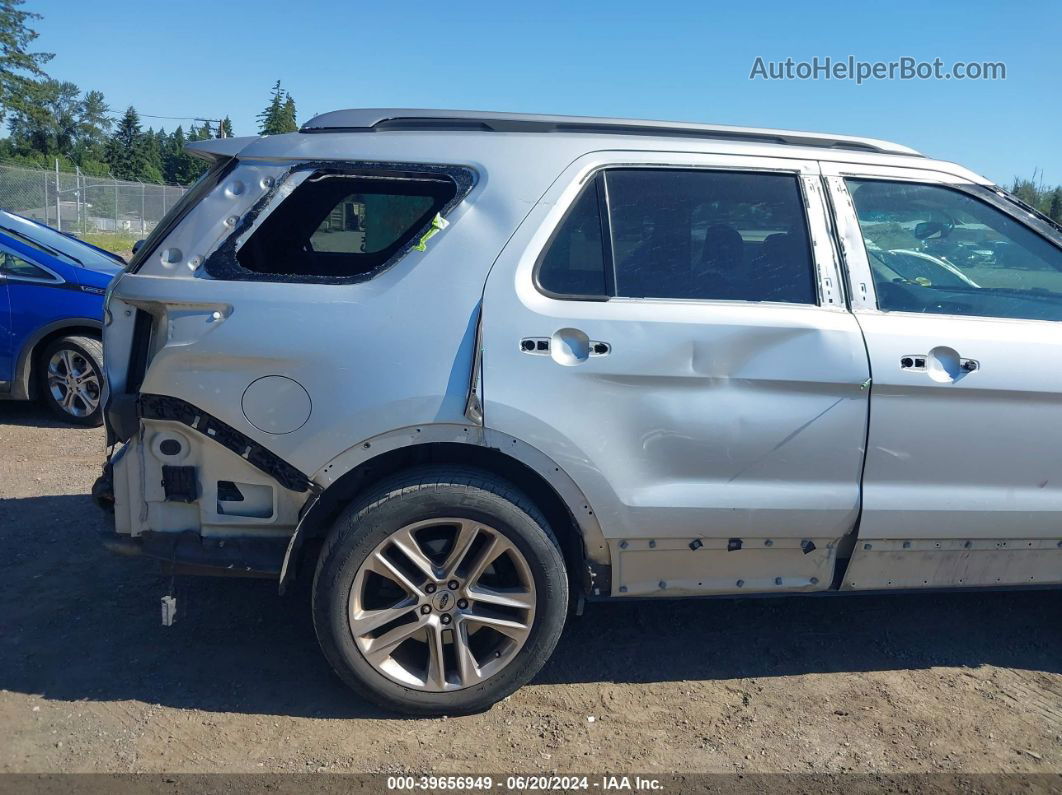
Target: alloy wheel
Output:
[(73, 383), (442, 604)]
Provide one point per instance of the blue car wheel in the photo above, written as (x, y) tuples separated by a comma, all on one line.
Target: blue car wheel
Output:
[(72, 379)]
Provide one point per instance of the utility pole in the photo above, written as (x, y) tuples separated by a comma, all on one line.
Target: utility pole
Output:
[(58, 206)]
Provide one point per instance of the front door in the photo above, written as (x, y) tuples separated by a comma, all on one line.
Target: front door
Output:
[(672, 335), (960, 302)]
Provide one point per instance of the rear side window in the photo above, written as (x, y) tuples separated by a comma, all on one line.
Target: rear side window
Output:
[(13, 265), (574, 262), (338, 225), (706, 235)]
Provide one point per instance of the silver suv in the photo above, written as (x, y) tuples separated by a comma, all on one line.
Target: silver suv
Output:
[(472, 369)]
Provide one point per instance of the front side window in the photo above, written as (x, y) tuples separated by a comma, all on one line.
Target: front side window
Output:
[(937, 250), (685, 234), (339, 225)]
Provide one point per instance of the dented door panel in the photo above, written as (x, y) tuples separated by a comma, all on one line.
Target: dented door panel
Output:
[(707, 422)]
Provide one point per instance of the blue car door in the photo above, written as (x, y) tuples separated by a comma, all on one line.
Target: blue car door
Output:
[(34, 295)]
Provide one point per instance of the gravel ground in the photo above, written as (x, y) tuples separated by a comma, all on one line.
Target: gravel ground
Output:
[(89, 680)]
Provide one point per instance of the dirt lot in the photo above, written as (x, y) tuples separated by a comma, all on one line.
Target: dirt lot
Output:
[(89, 681)]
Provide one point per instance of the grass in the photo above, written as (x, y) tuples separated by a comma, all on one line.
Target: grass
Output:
[(118, 243)]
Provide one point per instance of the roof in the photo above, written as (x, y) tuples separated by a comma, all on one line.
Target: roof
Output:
[(408, 119)]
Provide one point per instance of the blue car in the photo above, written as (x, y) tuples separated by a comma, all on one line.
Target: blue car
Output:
[(51, 315)]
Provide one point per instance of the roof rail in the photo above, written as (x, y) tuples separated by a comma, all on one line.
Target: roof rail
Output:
[(405, 119)]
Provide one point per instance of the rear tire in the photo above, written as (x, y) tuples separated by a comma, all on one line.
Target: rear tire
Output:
[(462, 567), (70, 378)]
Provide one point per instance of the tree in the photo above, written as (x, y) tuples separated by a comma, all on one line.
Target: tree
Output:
[(1055, 208), (19, 68), (279, 115), (94, 123), (225, 128), (50, 122), (126, 152), (290, 124)]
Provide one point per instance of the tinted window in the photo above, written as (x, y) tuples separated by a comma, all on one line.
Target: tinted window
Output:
[(574, 261), (685, 234), (938, 250), (16, 266), (343, 225), (710, 235)]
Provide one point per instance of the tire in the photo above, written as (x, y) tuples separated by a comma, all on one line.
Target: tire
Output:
[(85, 354), (495, 515)]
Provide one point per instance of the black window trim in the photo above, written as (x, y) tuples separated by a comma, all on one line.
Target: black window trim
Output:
[(597, 179), (223, 264)]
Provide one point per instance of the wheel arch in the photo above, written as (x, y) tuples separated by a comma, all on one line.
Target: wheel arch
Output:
[(545, 483), (24, 385)]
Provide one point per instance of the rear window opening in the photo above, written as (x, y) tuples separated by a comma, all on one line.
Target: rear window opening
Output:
[(339, 225)]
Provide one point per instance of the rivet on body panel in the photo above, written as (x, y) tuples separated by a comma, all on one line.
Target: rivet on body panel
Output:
[(662, 584), (267, 182), (623, 589), (740, 583), (231, 220), (652, 545), (623, 544), (814, 580), (777, 580), (906, 544)]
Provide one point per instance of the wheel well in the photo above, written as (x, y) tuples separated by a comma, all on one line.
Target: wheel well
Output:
[(35, 353), (322, 514)]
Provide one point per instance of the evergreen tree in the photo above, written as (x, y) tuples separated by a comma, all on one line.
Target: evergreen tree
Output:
[(279, 114), (290, 124), (205, 132), (225, 128), (94, 124), (1055, 208), (126, 153), (19, 68)]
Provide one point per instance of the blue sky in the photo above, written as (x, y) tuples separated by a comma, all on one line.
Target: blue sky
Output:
[(667, 60)]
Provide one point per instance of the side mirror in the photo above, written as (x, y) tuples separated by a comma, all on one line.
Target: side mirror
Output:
[(137, 246), (927, 230)]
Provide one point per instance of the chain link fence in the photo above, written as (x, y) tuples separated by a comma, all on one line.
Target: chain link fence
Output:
[(85, 205)]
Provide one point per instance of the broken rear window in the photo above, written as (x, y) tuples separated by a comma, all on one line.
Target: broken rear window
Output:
[(339, 225)]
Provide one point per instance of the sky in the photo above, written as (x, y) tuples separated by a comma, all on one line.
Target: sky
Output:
[(687, 61)]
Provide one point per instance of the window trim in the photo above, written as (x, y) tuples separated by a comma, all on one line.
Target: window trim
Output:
[(223, 264), (597, 175), (865, 301)]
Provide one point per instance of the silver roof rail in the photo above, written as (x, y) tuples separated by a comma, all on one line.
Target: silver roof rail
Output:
[(384, 119)]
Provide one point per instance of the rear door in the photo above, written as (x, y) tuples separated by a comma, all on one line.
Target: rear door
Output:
[(668, 328), (960, 302)]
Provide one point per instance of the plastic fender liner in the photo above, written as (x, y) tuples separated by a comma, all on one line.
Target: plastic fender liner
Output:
[(163, 407)]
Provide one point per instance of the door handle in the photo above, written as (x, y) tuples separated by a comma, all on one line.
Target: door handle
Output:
[(942, 364), (567, 346)]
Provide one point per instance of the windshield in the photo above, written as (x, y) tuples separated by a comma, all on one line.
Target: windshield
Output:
[(44, 238)]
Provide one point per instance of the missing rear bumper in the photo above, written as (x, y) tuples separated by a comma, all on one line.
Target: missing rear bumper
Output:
[(191, 553)]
